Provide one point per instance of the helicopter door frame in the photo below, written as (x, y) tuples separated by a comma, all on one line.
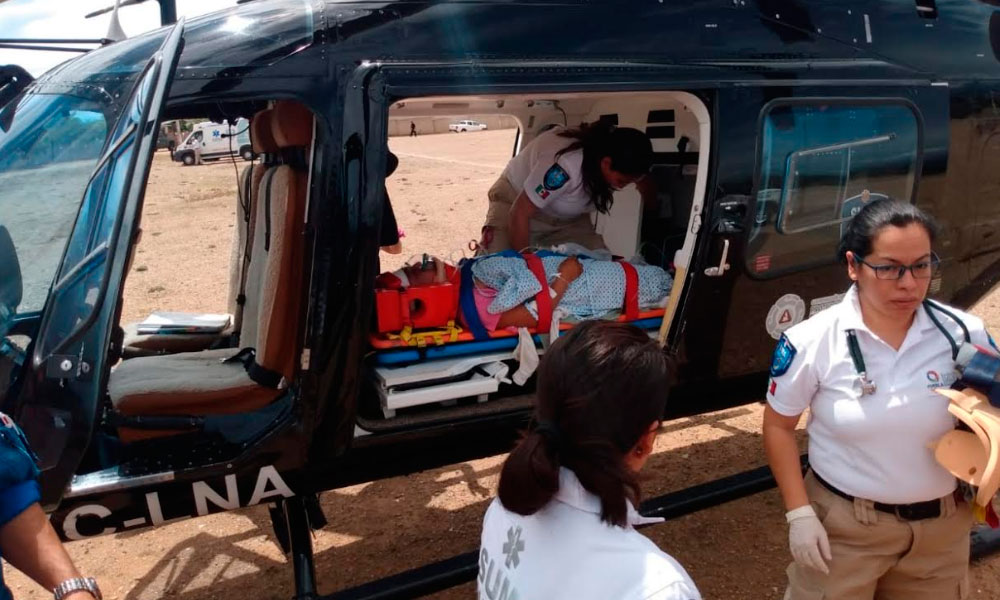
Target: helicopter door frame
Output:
[(684, 256), (71, 352)]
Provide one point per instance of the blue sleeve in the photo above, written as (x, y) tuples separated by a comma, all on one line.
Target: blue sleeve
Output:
[(14, 500), (17, 461)]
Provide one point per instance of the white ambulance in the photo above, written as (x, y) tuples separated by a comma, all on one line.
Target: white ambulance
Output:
[(212, 141)]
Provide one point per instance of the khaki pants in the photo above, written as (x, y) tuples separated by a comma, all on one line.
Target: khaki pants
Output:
[(877, 555), (545, 230)]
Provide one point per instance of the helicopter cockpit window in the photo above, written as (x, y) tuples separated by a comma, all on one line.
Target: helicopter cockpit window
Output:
[(78, 282), (819, 164), (48, 149)]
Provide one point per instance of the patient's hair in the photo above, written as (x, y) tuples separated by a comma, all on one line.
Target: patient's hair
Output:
[(600, 388), (630, 151)]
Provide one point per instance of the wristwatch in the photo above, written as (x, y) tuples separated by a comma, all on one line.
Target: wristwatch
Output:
[(77, 584)]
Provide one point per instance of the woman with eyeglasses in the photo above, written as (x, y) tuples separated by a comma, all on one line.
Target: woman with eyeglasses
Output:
[(876, 516)]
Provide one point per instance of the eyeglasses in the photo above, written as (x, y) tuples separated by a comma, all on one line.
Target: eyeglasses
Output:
[(924, 269)]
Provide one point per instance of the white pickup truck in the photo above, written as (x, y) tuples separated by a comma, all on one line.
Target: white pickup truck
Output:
[(467, 125)]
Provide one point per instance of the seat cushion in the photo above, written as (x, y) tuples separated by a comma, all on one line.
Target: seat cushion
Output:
[(190, 383), (150, 344)]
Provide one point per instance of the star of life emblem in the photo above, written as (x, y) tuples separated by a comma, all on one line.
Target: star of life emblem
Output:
[(513, 547)]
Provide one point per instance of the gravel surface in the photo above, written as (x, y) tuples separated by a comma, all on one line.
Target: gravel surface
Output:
[(734, 551)]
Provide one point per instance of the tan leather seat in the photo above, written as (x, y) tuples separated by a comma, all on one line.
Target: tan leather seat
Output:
[(136, 344), (241, 255), (198, 383)]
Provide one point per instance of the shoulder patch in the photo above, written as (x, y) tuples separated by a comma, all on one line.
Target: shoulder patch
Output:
[(555, 177), (782, 358)]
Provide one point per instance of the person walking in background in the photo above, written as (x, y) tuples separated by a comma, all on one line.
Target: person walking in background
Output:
[(413, 129), (561, 527)]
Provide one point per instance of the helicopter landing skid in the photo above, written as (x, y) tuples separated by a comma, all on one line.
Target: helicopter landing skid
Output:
[(294, 520)]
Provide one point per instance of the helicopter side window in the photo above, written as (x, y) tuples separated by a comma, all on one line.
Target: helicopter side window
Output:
[(819, 164)]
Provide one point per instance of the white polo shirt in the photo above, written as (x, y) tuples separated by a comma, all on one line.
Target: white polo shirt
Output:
[(554, 185), (874, 446), (565, 552)]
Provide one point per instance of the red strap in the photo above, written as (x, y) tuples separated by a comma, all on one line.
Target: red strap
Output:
[(631, 291), (542, 298)]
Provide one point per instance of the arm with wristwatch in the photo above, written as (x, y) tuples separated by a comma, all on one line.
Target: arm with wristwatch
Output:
[(27, 540), (29, 543)]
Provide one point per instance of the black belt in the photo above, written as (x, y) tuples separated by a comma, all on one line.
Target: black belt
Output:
[(928, 509)]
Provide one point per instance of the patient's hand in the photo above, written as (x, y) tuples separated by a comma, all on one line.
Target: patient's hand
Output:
[(570, 269)]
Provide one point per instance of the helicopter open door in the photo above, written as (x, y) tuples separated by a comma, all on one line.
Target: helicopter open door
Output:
[(71, 355)]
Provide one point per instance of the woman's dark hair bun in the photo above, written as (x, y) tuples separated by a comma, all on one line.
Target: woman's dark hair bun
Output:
[(862, 229), (600, 387)]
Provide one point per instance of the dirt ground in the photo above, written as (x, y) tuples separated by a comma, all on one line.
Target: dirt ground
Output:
[(735, 551)]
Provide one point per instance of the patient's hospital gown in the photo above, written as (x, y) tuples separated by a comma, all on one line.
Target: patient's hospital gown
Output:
[(599, 290)]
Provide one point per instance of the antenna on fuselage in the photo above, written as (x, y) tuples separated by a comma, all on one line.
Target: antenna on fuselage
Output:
[(115, 31)]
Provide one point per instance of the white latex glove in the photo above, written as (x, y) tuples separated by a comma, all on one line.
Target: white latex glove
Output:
[(807, 538)]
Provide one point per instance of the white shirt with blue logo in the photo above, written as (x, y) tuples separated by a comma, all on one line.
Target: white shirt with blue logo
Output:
[(872, 446), (565, 552), (554, 185)]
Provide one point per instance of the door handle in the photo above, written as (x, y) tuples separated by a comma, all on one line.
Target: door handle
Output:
[(723, 265)]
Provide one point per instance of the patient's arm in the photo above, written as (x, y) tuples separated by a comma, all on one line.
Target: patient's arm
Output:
[(520, 316)]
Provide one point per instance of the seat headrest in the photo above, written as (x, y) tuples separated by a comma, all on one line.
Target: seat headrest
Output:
[(291, 124), (261, 137)]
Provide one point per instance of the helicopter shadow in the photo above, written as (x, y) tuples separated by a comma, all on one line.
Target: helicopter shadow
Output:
[(381, 528)]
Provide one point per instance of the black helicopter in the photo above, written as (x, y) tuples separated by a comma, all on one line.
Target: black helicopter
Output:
[(771, 122)]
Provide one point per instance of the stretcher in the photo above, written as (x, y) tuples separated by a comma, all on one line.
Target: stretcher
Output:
[(440, 374), (423, 316), (451, 341), (414, 364)]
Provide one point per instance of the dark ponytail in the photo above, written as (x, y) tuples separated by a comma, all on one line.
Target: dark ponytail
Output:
[(600, 387), (861, 230), (630, 151)]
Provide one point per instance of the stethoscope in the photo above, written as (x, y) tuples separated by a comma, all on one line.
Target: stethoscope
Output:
[(868, 386)]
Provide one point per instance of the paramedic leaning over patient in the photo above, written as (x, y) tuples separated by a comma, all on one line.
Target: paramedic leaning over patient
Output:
[(546, 194), (876, 517)]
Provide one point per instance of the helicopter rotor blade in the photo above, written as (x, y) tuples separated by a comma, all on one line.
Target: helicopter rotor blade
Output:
[(108, 9)]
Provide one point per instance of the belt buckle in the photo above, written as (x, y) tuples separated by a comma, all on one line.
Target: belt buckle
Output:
[(917, 512)]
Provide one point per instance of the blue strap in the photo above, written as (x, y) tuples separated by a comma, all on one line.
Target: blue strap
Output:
[(466, 298), (467, 301)]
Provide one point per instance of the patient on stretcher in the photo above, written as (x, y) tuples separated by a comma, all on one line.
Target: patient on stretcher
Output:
[(505, 288)]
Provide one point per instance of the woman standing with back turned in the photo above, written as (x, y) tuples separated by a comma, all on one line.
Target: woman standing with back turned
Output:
[(876, 516), (562, 525)]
